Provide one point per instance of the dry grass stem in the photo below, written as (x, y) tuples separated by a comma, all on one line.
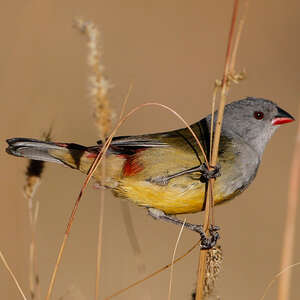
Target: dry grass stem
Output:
[(213, 162), (242, 22), (102, 115), (57, 263), (125, 101), (287, 269), (290, 222), (33, 178), (131, 233), (100, 237), (12, 275), (32, 183), (173, 258), (224, 90), (213, 108)]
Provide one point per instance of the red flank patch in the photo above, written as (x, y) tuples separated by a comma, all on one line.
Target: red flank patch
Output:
[(131, 166)]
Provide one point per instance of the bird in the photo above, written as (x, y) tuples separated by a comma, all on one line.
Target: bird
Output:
[(165, 172)]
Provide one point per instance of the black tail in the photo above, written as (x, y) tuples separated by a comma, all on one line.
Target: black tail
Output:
[(33, 149)]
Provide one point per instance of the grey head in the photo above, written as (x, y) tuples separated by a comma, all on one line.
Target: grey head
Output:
[(254, 120)]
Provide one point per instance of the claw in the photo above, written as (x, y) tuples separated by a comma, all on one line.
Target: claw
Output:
[(208, 243), (207, 174)]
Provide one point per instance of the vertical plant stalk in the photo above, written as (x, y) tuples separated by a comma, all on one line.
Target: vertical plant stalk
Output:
[(33, 178), (213, 162), (29, 192), (100, 237), (128, 221), (102, 116), (290, 222)]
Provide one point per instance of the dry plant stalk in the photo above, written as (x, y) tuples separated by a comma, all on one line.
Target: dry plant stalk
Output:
[(33, 177), (32, 182), (202, 266), (290, 222), (173, 258), (128, 221), (12, 275), (102, 116), (288, 268), (103, 120)]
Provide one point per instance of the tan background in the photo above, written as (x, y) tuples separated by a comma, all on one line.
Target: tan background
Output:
[(172, 51)]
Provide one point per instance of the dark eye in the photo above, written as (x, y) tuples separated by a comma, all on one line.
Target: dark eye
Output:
[(258, 115)]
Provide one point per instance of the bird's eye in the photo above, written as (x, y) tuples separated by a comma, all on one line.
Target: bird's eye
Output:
[(258, 115)]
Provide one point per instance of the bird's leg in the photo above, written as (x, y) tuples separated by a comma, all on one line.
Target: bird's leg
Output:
[(207, 174), (164, 180), (206, 242)]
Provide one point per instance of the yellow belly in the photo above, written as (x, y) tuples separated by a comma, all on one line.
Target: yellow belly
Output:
[(172, 198)]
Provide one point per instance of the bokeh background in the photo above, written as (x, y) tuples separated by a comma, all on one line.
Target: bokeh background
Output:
[(172, 52)]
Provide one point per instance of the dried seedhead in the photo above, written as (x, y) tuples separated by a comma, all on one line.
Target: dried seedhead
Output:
[(99, 85), (214, 259)]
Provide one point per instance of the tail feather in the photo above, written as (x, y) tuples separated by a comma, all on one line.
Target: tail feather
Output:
[(32, 149)]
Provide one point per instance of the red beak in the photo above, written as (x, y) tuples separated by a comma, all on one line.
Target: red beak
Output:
[(282, 117)]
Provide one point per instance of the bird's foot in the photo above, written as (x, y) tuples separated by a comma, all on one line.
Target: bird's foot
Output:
[(206, 242), (209, 173), (209, 242)]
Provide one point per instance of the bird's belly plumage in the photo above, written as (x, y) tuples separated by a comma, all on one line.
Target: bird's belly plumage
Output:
[(172, 198)]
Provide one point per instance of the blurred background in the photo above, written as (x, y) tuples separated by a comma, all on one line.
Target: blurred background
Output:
[(172, 52)]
